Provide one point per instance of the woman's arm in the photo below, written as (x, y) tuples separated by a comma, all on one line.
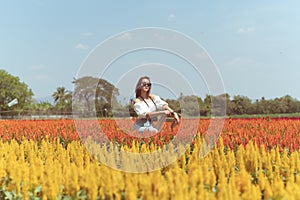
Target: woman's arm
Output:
[(141, 112), (156, 113), (166, 107)]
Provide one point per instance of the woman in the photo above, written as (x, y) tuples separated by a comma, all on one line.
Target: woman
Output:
[(149, 106)]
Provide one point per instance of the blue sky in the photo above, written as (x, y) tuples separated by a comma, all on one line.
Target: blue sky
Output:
[(254, 44)]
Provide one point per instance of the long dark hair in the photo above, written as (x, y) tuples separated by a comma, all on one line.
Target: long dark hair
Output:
[(139, 86)]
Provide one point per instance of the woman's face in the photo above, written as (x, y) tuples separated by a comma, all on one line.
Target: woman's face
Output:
[(146, 85)]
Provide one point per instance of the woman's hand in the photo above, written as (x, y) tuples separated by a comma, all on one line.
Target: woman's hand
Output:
[(167, 112), (176, 117)]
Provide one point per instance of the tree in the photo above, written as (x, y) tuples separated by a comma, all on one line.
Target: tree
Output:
[(203, 107), (220, 104), (264, 106), (241, 105), (130, 108), (91, 91), (292, 104), (189, 105), (174, 104), (62, 99), (278, 105), (257, 107), (12, 88), (228, 104), (42, 108), (206, 108)]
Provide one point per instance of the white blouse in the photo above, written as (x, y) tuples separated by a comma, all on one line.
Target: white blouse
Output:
[(141, 108)]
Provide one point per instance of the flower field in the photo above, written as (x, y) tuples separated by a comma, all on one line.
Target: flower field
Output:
[(253, 159)]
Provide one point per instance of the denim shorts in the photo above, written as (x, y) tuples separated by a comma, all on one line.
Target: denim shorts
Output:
[(144, 125)]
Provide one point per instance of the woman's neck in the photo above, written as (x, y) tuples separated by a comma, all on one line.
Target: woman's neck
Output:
[(144, 95)]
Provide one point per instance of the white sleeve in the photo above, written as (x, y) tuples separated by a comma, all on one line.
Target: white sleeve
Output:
[(159, 102), (140, 111)]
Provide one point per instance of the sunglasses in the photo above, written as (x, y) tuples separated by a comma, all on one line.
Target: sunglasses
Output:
[(146, 84)]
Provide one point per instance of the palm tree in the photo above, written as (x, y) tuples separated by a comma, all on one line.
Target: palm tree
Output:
[(59, 94), (61, 98)]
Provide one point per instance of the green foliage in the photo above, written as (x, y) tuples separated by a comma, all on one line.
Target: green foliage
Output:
[(241, 105), (90, 90), (189, 105), (10, 88), (174, 104), (42, 107), (238, 105), (99, 94), (63, 100)]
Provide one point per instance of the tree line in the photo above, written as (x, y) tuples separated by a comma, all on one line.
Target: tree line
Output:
[(241, 105), (103, 95)]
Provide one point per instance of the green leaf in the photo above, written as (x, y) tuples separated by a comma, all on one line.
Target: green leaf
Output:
[(8, 195), (38, 189)]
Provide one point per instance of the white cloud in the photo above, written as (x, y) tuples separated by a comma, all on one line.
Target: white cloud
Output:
[(171, 17), (87, 34), (81, 46), (246, 30), (125, 36)]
